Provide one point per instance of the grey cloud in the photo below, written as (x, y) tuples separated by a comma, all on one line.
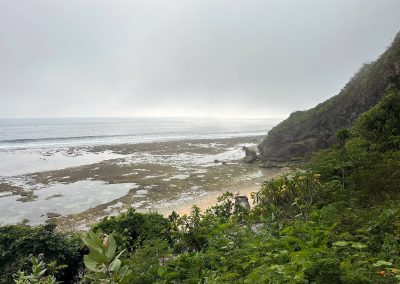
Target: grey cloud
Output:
[(197, 57)]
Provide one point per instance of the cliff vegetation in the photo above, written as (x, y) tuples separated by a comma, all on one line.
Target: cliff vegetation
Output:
[(305, 132)]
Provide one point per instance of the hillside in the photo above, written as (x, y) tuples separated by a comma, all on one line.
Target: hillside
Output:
[(307, 131)]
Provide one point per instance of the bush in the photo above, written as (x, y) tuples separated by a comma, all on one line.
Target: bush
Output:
[(37, 275), (147, 261), (132, 229), (289, 197), (103, 264), (18, 243)]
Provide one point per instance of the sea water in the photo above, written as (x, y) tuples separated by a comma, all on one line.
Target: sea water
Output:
[(61, 132), (43, 144)]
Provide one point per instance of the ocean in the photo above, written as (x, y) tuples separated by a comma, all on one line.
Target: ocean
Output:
[(24, 133)]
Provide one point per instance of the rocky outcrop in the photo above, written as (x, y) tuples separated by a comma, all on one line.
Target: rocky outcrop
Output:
[(307, 131), (242, 202), (250, 155)]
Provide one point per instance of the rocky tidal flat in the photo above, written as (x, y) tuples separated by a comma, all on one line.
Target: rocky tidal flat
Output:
[(108, 179)]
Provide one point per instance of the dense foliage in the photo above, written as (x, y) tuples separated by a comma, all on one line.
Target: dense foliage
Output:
[(337, 220), (63, 254)]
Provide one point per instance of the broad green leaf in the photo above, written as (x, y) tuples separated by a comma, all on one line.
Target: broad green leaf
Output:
[(341, 244), (94, 236), (91, 264), (91, 244), (115, 265), (98, 257), (358, 245), (111, 248), (382, 263)]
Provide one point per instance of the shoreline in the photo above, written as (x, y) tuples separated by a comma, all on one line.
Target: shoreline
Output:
[(161, 177), (116, 143), (243, 189)]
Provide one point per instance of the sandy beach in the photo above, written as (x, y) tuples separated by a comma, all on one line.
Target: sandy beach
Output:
[(240, 187)]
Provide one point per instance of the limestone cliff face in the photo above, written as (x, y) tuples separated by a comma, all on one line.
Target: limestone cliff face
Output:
[(307, 131)]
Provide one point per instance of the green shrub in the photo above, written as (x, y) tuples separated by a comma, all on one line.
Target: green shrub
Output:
[(147, 261), (290, 196), (18, 243), (102, 262), (132, 229), (37, 274)]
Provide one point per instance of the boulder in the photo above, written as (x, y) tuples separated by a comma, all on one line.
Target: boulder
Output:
[(242, 201), (250, 155), (52, 215)]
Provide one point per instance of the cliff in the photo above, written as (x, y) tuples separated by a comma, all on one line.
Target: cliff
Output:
[(307, 131)]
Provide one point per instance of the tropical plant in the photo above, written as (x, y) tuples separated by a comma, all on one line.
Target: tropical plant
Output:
[(37, 274), (289, 196), (102, 262), (62, 252)]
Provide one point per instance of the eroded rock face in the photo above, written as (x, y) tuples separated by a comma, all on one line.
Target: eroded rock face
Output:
[(250, 155), (307, 131), (242, 201), (271, 164)]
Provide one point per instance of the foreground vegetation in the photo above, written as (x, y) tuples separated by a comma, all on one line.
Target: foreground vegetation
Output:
[(336, 220)]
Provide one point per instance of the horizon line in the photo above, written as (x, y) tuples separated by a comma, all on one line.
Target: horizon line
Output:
[(139, 117)]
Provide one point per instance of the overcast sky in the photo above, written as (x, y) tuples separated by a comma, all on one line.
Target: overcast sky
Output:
[(184, 58)]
